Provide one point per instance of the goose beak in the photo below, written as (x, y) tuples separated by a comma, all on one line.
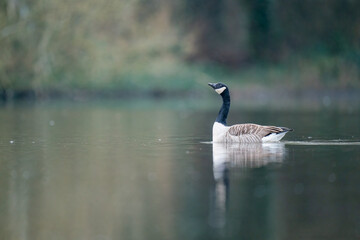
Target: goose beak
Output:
[(212, 85)]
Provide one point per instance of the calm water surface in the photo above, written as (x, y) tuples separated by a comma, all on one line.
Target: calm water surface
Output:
[(106, 171)]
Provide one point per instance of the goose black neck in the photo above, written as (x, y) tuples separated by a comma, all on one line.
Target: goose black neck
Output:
[(224, 110)]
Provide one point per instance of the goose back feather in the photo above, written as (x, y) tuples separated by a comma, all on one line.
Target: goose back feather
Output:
[(250, 132)]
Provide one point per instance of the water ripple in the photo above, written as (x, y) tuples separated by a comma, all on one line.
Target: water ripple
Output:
[(324, 143)]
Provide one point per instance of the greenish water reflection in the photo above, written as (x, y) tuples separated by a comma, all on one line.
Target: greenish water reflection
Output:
[(109, 172)]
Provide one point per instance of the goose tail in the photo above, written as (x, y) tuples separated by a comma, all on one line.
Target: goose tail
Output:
[(275, 137), (285, 129)]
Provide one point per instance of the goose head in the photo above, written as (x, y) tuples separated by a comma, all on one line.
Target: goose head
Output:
[(218, 87)]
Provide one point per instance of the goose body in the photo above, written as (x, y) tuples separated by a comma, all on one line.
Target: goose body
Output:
[(241, 133)]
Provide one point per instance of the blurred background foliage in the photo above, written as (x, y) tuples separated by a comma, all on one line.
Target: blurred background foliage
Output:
[(51, 47)]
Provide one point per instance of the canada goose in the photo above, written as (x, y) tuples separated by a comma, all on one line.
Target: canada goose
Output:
[(242, 133)]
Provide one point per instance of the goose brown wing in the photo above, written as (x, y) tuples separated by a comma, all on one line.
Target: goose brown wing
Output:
[(253, 129)]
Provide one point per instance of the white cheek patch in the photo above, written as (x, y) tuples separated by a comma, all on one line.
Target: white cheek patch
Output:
[(220, 90)]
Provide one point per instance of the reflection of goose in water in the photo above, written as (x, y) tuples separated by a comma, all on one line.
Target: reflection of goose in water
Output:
[(236, 155), (243, 133), (245, 155)]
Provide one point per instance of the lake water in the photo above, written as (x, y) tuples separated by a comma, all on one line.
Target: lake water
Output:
[(149, 171)]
